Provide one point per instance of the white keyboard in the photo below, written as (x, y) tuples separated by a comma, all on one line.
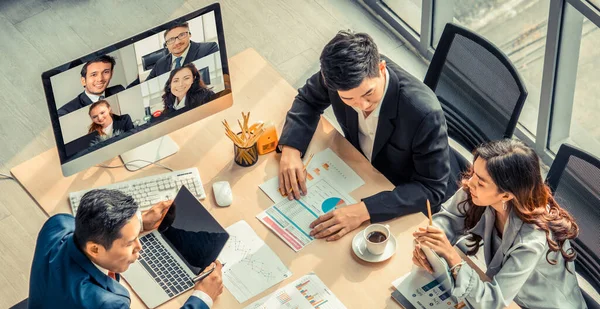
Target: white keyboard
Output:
[(150, 190)]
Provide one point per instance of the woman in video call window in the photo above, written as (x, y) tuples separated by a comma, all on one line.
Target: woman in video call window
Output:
[(105, 123), (185, 88)]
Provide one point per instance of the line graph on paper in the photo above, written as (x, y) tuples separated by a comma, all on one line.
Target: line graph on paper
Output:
[(251, 261), (252, 266)]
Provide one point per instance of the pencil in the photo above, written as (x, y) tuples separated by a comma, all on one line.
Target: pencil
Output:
[(429, 212), (308, 162), (305, 166)]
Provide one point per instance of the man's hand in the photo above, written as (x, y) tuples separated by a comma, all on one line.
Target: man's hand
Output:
[(152, 218), (292, 177), (340, 222), (213, 284)]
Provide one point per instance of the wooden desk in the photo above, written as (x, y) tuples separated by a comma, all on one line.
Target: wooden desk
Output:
[(258, 88)]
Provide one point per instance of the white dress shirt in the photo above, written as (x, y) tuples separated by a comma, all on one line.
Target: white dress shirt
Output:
[(179, 105), (108, 130), (103, 270), (93, 97), (174, 59), (367, 125)]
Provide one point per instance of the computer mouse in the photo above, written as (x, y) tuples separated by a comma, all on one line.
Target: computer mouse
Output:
[(222, 192)]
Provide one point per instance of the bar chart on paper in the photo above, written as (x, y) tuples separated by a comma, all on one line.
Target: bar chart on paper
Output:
[(325, 165), (311, 292), (308, 292)]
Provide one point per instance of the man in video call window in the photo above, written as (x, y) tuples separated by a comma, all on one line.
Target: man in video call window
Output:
[(95, 78), (181, 50)]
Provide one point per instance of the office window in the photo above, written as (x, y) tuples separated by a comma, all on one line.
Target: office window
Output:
[(519, 29), (584, 127), (408, 10), (595, 3)]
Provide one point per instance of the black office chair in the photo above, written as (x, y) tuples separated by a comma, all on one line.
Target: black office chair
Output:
[(149, 60), (574, 177), (205, 75), (480, 91)]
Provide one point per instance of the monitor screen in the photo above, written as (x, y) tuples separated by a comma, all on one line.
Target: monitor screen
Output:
[(139, 83)]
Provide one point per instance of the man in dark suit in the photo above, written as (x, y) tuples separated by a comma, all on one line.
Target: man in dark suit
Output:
[(95, 78), (181, 50), (387, 114), (77, 261)]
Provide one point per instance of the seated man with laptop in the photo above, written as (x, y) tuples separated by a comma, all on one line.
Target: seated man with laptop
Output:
[(78, 260)]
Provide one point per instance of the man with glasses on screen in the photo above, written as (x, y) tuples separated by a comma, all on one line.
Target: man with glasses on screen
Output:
[(181, 50), (95, 78)]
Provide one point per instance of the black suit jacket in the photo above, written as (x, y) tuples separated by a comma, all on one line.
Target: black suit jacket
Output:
[(122, 123), (411, 142), (82, 100), (196, 51)]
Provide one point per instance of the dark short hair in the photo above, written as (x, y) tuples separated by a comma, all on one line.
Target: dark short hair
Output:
[(103, 59), (101, 216), (348, 59), (177, 25)]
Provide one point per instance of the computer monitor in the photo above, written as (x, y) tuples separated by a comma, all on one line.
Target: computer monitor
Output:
[(110, 103)]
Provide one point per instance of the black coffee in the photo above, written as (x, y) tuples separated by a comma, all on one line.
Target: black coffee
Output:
[(376, 237)]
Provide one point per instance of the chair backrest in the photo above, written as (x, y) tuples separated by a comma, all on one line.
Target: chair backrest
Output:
[(481, 92), (574, 177), (149, 60)]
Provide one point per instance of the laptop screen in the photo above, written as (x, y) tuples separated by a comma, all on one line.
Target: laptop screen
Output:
[(192, 232)]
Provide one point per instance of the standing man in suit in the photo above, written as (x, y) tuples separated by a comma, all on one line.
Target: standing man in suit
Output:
[(77, 260), (394, 119), (181, 50), (95, 78)]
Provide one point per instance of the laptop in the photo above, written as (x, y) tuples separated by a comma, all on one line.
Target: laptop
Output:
[(188, 240)]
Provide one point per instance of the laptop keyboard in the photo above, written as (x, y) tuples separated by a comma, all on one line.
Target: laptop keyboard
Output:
[(162, 267)]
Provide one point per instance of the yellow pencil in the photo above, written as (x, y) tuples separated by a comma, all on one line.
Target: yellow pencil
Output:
[(429, 212)]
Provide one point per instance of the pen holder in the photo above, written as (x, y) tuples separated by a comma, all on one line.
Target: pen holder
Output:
[(245, 156)]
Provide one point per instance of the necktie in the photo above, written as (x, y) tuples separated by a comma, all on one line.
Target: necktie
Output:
[(101, 98), (178, 62), (112, 275)]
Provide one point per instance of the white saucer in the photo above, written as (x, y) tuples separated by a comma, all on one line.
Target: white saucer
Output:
[(359, 246)]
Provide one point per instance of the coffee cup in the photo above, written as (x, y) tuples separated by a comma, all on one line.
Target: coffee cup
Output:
[(376, 237)]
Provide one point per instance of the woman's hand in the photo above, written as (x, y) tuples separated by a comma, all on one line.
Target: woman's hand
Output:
[(420, 259), (435, 239)]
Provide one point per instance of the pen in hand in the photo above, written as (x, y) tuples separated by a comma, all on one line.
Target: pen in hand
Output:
[(207, 273)]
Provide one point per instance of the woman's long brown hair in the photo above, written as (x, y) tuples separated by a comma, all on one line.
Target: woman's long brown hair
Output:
[(515, 168), (94, 126)]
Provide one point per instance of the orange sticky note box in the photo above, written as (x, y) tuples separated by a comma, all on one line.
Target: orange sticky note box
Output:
[(267, 141)]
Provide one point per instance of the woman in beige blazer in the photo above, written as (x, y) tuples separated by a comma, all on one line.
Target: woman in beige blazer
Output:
[(505, 207)]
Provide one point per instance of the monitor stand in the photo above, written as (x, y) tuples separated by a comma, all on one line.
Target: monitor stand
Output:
[(149, 153)]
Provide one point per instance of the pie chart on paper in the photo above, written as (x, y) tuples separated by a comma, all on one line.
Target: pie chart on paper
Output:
[(332, 203)]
